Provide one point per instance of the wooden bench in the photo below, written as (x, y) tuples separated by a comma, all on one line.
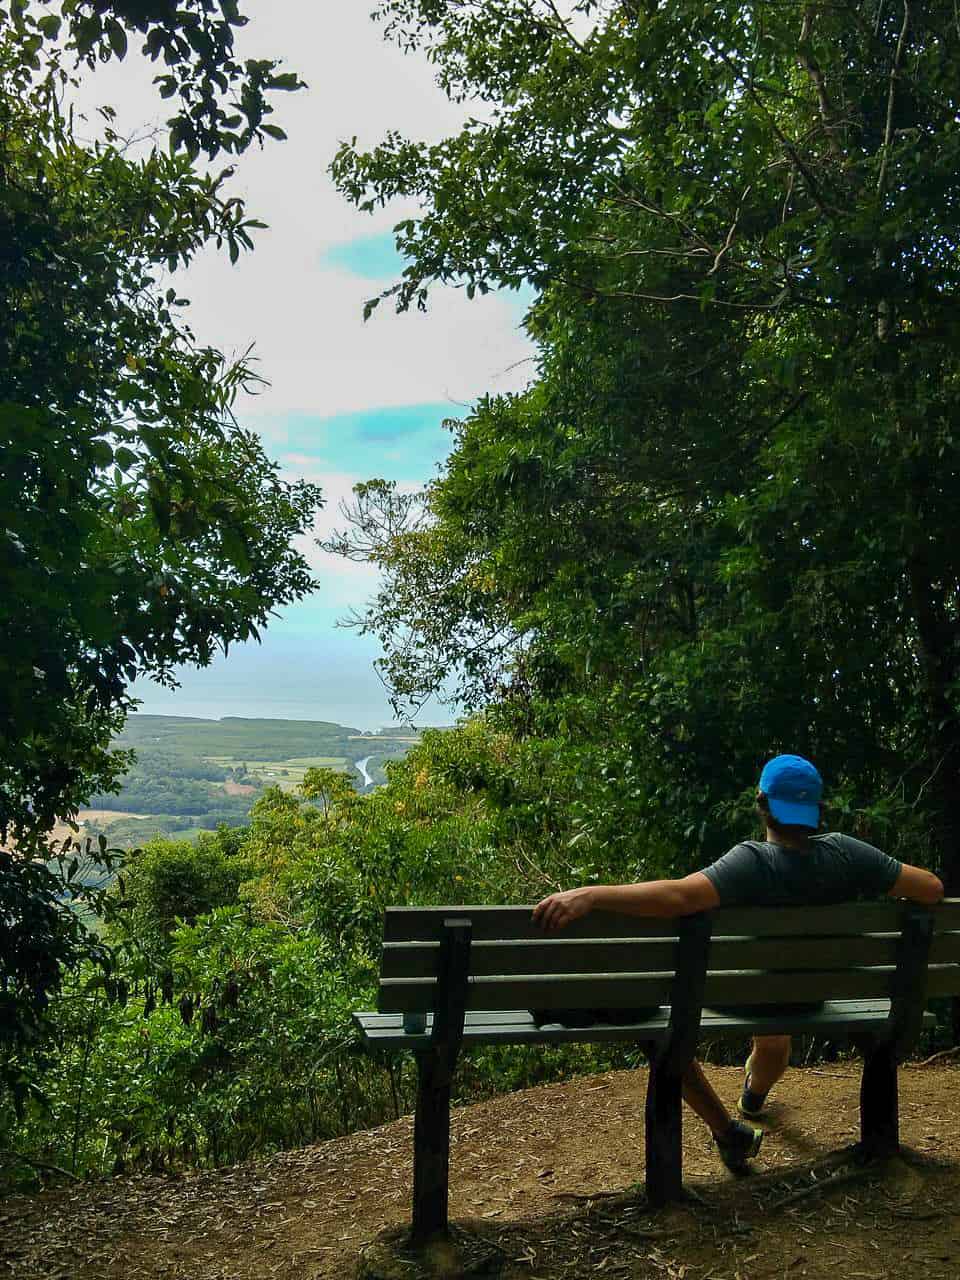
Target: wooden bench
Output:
[(452, 977)]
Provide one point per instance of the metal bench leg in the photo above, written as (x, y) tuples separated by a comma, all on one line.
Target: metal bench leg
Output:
[(664, 1135), (431, 1148), (879, 1103)]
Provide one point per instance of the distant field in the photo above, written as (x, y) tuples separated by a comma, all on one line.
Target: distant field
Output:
[(286, 774), (318, 762), (381, 738), (254, 765), (108, 815), (240, 739)]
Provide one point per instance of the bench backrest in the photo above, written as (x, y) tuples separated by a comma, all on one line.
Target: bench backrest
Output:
[(756, 955)]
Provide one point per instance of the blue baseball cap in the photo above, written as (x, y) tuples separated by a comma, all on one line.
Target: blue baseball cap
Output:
[(793, 788)]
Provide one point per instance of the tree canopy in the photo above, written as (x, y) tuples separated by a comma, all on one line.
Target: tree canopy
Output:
[(142, 527), (721, 522)]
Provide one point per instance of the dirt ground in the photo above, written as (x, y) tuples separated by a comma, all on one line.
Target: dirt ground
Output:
[(549, 1177)]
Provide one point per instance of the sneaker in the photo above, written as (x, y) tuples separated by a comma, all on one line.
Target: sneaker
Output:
[(750, 1104), (738, 1145)]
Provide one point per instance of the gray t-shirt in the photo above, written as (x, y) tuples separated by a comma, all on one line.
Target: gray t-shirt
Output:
[(832, 868)]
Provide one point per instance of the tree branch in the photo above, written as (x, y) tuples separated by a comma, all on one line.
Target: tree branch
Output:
[(813, 69), (15, 1157), (884, 309), (789, 146), (563, 26), (891, 98)]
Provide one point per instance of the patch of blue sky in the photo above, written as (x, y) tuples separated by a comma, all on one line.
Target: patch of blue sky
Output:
[(376, 258), (400, 442), (370, 257), (520, 300)]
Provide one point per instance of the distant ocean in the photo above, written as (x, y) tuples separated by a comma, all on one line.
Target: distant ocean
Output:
[(287, 678)]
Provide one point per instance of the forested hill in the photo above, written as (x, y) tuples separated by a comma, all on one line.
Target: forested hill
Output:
[(240, 735), (191, 774)]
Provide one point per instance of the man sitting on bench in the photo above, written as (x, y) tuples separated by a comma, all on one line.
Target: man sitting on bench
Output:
[(792, 866)]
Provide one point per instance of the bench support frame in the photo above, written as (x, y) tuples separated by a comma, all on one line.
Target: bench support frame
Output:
[(435, 1068), (663, 1174), (879, 1087), (879, 1103), (664, 1105)]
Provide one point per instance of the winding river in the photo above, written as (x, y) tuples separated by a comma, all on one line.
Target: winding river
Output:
[(362, 766)]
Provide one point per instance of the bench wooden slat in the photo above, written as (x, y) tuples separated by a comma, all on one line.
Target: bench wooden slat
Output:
[(411, 924), (619, 991), (655, 955), (425, 924), (479, 1017), (419, 959), (540, 991)]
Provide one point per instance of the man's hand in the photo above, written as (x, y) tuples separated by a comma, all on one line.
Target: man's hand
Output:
[(557, 911)]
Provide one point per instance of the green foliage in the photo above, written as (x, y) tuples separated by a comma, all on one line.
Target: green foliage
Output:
[(45, 911), (220, 103), (721, 523), (226, 1031), (142, 528), (169, 882)]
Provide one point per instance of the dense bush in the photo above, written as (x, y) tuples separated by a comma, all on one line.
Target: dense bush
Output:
[(226, 1031)]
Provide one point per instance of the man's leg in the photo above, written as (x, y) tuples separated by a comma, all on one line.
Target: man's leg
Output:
[(700, 1095), (768, 1061), (736, 1141)]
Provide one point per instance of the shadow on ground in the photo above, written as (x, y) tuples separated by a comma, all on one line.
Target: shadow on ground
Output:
[(545, 1185), (803, 1219)]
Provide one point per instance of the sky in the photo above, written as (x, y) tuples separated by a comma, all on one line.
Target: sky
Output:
[(346, 400)]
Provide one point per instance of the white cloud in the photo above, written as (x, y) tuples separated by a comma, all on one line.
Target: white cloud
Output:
[(346, 583), (305, 318), (318, 354)]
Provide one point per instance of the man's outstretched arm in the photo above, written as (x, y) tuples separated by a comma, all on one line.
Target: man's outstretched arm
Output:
[(918, 885), (663, 898)]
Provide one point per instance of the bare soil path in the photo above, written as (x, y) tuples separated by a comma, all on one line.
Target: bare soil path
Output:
[(550, 1176)]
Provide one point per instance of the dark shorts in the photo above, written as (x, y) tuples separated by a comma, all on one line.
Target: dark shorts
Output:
[(590, 1017), (619, 1017), (769, 1010)]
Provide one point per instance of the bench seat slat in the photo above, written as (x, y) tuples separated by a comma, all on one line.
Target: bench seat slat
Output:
[(656, 955), (837, 1018), (411, 924)]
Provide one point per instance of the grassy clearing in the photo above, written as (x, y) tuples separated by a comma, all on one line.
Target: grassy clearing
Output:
[(286, 774), (317, 762), (110, 815)]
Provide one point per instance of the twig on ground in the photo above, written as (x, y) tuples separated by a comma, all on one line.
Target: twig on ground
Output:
[(944, 1053), (14, 1157), (828, 1184), (593, 1195)]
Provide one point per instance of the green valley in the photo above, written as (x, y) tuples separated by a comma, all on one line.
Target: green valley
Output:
[(190, 775)]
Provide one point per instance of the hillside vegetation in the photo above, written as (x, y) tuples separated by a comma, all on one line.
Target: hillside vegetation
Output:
[(191, 775), (221, 1028)]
